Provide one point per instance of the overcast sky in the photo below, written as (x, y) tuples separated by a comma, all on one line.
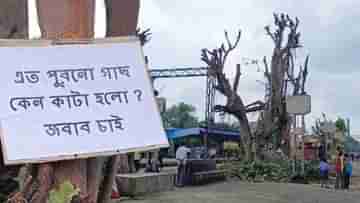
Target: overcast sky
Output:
[(181, 28)]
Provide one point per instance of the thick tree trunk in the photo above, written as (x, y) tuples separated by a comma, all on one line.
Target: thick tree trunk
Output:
[(246, 139), (67, 19), (246, 134), (278, 115), (109, 178), (122, 19), (95, 176), (13, 24), (13, 19)]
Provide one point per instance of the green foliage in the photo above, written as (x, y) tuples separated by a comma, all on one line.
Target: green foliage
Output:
[(273, 171), (64, 194), (180, 116), (232, 149), (312, 171), (194, 141), (269, 171), (340, 124)]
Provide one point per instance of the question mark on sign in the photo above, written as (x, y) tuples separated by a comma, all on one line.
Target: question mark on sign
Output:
[(138, 93)]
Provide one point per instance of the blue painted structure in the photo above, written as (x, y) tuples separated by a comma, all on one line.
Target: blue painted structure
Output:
[(175, 133)]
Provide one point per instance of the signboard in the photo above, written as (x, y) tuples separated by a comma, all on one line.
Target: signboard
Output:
[(298, 105), (76, 101)]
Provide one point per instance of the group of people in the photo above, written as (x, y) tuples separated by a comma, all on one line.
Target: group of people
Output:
[(343, 169)]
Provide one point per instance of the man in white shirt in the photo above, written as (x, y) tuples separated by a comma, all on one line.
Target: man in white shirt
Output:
[(182, 153)]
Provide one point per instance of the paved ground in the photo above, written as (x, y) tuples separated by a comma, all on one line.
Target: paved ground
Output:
[(243, 192)]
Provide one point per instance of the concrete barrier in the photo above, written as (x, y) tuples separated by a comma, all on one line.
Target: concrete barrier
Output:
[(145, 183)]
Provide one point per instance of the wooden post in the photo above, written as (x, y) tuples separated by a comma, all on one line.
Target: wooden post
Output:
[(68, 19)]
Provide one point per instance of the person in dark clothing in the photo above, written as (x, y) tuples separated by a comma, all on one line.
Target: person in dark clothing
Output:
[(347, 171), (322, 152)]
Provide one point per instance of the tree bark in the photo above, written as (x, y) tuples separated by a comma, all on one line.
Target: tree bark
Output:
[(13, 19), (67, 19), (14, 25), (121, 17), (121, 20), (109, 178)]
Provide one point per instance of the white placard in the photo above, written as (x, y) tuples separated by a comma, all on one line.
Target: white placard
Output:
[(73, 101)]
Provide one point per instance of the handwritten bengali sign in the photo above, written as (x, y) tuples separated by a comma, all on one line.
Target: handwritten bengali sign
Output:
[(68, 101)]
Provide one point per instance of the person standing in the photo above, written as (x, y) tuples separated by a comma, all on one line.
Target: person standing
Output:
[(347, 171), (339, 167), (137, 159), (324, 173), (182, 154)]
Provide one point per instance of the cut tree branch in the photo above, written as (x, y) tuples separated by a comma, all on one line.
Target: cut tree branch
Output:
[(230, 47), (144, 36), (304, 75), (267, 73), (237, 77)]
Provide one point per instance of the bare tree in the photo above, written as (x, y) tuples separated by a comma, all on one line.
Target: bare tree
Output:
[(274, 121), (279, 74), (216, 59)]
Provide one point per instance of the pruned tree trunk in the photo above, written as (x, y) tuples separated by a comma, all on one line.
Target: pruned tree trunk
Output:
[(274, 123), (286, 39), (13, 25), (65, 19), (69, 19), (13, 19), (216, 59), (122, 19)]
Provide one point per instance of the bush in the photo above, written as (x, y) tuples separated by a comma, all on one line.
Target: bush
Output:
[(260, 170), (274, 171), (231, 149)]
